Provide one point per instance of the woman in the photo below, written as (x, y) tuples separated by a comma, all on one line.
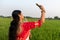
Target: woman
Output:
[(20, 30)]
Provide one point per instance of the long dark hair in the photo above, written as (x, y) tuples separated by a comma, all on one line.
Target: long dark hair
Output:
[(14, 24)]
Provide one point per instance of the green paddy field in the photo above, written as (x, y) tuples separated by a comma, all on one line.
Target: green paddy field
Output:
[(50, 30)]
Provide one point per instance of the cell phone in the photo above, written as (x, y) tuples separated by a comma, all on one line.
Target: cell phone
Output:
[(38, 5)]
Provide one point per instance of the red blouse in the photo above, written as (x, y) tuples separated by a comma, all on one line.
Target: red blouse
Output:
[(27, 26)]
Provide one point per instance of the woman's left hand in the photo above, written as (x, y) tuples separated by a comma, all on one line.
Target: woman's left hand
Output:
[(41, 7)]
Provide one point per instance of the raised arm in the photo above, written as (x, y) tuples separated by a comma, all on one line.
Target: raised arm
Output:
[(31, 25), (42, 12)]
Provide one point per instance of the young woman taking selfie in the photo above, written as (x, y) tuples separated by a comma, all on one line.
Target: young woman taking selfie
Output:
[(20, 30)]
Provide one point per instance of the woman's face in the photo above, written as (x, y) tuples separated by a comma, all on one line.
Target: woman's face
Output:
[(21, 16)]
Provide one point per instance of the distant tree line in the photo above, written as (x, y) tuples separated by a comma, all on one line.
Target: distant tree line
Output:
[(49, 18), (55, 18), (5, 16)]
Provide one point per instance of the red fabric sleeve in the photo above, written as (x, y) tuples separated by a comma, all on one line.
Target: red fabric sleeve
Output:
[(39, 23), (31, 25)]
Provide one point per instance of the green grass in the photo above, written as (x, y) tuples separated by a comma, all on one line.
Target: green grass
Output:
[(50, 30)]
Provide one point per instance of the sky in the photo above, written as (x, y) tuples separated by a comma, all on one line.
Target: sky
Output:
[(29, 8)]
